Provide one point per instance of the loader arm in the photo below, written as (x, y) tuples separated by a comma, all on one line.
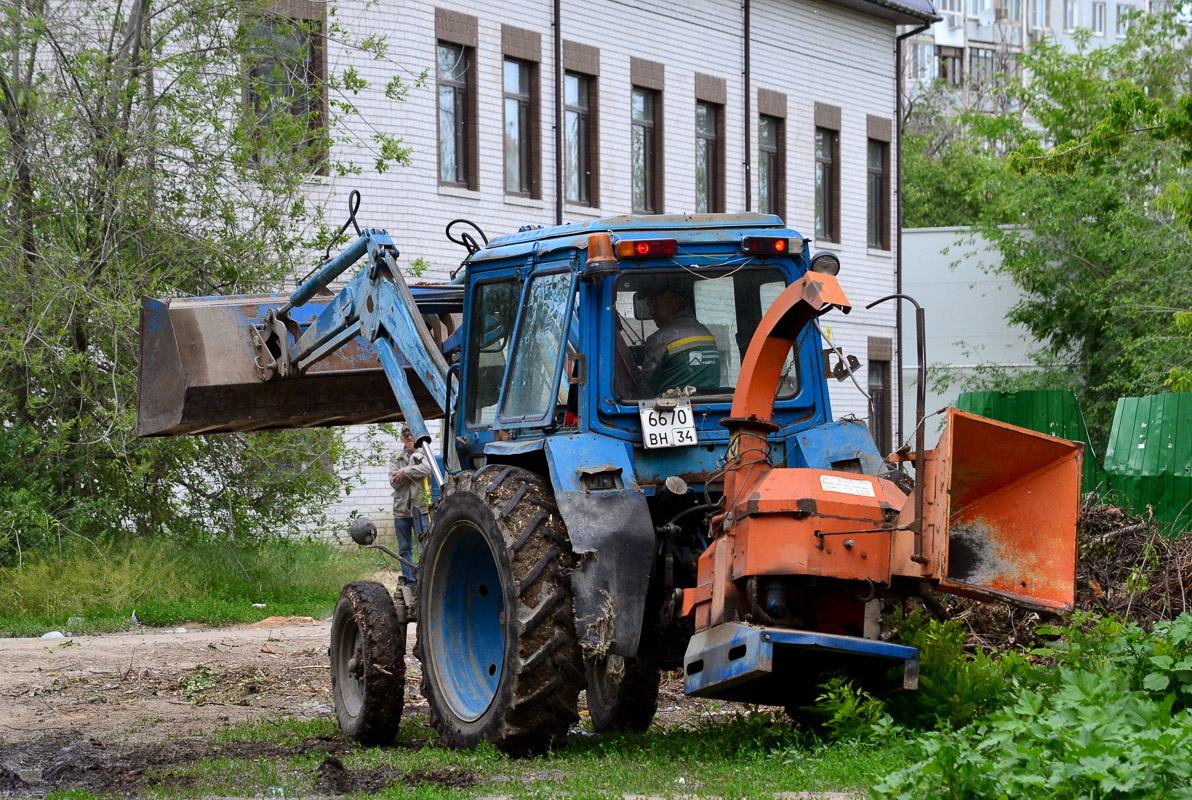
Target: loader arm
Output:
[(377, 305), (218, 364)]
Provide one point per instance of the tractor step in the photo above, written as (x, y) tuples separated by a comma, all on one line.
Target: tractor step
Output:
[(778, 666)]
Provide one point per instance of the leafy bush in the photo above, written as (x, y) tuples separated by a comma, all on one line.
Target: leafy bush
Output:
[(954, 687), (847, 712), (1110, 719)]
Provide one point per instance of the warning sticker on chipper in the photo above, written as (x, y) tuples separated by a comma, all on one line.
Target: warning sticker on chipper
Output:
[(832, 483)]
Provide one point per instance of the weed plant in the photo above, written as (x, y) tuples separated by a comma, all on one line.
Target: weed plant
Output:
[(1105, 712), (93, 588)]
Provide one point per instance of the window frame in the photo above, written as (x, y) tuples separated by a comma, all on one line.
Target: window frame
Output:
[(710, 142), (525, 47), (526, 127), (776, 153), (651, 139), (459, 30), (1122, 20), (711, 92), (1071, 15), (583, 150), (877, 193), (311, 15), (881, 352), (1099, 18), (827, 210), (463, 92)]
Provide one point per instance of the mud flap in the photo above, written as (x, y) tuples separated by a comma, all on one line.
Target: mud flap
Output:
[(1007, 512), (612, 536)]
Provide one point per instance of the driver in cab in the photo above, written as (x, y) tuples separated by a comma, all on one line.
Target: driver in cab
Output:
[(682, 352)]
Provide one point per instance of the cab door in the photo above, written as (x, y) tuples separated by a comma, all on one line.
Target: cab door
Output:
[(530, 394)]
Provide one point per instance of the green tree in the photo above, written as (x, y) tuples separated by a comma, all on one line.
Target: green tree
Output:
[(132, 164), (1096, 239)]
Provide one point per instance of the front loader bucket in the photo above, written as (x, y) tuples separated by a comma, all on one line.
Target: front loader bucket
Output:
[(198, 373), (1006, 518)]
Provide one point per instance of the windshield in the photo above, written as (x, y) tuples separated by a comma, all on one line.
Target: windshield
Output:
[(683, 334)]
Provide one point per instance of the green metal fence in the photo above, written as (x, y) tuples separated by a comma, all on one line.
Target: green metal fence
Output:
[(1149, 458)]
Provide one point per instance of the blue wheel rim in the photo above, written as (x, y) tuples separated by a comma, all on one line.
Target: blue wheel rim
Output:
[(465, 622)]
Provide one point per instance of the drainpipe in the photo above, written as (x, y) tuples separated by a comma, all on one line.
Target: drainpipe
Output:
[(898, 191), (748, 34), (558, 31)]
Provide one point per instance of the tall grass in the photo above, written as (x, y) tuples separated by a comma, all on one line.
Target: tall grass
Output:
[(94, 588)]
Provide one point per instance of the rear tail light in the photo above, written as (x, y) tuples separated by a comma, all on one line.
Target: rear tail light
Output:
[(647, 248), (765, 245)]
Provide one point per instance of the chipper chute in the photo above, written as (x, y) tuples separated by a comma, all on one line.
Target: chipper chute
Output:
[(1004, 526)]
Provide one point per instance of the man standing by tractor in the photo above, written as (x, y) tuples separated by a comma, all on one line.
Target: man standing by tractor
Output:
[(408, 474)]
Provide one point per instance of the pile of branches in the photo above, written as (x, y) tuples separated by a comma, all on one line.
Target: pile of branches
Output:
[(1129, 567)]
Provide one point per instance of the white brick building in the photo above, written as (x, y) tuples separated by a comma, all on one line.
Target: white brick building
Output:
[(812, 65)]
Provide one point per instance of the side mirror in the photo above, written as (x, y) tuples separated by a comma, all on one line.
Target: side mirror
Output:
[(363, 531)]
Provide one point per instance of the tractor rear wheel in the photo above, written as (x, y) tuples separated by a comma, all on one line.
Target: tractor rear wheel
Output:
[(368, 666), (500, 657), (624, 701)]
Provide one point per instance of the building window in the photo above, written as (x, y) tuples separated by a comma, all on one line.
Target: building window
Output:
[(771, 160), (951, 64), (1008, 10), (826, 202), (924, 67), (881, 394), (976, 7), (981, 65), (1123, 19), (1069, 15), (286, 64), (644, 146), (519, 151), (454, 79), (1041, 14), (1099, 19), (708, 157), (878, 161), (577, 135)]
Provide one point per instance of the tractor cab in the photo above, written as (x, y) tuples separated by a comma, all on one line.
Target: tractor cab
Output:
[(640, 343)]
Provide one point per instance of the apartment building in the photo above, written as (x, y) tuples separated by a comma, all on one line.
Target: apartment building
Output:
[(574, 111), (977, 40)]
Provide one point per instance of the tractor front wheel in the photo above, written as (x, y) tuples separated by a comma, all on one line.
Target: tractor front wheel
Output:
[(622, 694), (500, 657), (368, 667)]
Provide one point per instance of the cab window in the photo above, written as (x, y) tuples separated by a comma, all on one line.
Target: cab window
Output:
[(490, 334), (533, 375), (684, 334)]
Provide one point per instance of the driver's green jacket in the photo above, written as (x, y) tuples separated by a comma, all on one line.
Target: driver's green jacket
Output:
[(682, 353)]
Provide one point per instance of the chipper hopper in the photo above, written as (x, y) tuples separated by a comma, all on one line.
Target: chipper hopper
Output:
[(639, 471)]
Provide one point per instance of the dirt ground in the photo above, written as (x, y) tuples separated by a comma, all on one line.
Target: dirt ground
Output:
[(94, 712)]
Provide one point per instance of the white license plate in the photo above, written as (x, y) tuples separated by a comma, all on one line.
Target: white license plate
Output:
[(673, 427)]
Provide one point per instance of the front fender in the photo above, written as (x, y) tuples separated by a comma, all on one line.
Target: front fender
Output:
[(612, 536)]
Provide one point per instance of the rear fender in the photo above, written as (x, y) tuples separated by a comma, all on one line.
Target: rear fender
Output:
[(612, 536)]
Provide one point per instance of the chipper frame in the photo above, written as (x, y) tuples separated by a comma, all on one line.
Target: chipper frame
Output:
[(596, 526)]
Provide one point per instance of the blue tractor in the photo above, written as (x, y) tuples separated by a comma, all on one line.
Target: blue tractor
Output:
[(638, 471)]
